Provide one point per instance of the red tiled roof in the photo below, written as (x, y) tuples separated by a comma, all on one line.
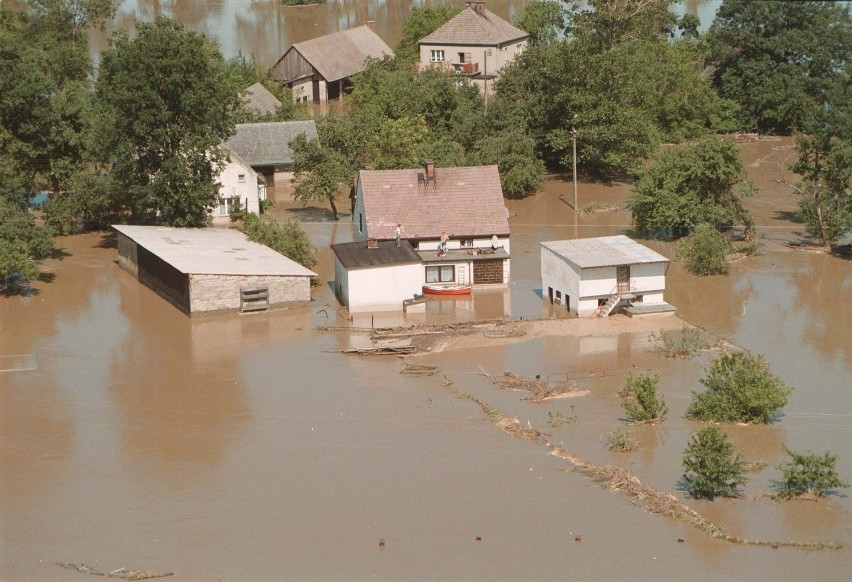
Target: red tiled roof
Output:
[(342, 54), (469, 27), (464, 202)]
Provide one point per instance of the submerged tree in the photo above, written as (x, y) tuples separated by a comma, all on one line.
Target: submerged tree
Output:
[(321, 173), (165, 99), (740, 388), (700, 183), (809, 474), (712, 467), (706, 251)]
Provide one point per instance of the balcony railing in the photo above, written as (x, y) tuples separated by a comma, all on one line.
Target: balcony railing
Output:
[(466, 68)]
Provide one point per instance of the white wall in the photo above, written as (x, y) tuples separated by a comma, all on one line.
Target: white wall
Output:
[(245, 188), (498, 58), (559, 275), (382, 289)]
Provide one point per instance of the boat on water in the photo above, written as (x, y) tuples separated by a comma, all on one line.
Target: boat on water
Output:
[(446, 289)]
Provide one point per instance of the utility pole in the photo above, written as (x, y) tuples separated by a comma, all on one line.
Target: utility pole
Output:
[(485, 76), (574, 147)]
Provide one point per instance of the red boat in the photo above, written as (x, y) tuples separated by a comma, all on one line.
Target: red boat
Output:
[(446, 289)]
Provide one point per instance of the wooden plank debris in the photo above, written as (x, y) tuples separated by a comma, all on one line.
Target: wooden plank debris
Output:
[(122, 573), (419, 370)]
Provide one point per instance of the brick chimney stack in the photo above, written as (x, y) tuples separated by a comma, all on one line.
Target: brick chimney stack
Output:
[(429, 166), (371, 24), (477, 5)]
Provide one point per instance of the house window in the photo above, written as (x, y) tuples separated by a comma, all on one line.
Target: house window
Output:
[(442, 274), (225, 206), (466, 242), (241, 178), (437, 56)]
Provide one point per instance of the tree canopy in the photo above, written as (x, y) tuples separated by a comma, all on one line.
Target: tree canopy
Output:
[(165, 101), (779, 60), (422, 22), (699, 183)]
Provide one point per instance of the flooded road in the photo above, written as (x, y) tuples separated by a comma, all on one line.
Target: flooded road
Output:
[(245, 448)]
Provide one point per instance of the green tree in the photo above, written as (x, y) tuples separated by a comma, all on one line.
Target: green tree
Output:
[(809, 474), (613, 22), (521, 172), (623, 101), (165, 100), (543, 20), (825, 164), (641, 401), (712, 467), (422, 22), (23, 244), (320, 173), (706, 251), (740, 388), (287, 238), (778, 60), (700, 183)]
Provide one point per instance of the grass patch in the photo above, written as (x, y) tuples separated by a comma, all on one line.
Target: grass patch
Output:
[(620, 441), (687, 344)]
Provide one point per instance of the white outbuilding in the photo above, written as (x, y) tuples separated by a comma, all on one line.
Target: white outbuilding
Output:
[(594, 276), (376, 275)]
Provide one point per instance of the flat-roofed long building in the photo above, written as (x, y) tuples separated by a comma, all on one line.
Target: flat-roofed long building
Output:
[(211, 270)]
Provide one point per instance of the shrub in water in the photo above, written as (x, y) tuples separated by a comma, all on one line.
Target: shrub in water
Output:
[(641, 402), (620, 441), (740, 388), (706, 251), (809, 474), (712, 468)]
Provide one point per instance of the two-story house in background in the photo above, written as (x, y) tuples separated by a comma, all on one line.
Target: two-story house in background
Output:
[(476, 43)]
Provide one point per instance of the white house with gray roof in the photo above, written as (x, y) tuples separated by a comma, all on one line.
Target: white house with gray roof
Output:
[(476, 44), (266, 146), (594, 276), (319, 69), (238, 183)]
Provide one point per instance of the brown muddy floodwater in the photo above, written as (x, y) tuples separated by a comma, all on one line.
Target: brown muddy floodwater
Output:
[(245, 448)]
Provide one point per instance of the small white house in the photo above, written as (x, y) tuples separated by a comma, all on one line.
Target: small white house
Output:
[(594, 276), (238, 181), (376, 275)]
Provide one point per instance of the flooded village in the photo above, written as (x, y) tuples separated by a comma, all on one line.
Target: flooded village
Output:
[(461, 436)]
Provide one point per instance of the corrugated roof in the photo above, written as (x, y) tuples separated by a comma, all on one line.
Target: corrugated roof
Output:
[(261, 100), (267, 144), (212, 251), (342, 54), (465, 202), (469, 27), (357, 255), (605, 251)]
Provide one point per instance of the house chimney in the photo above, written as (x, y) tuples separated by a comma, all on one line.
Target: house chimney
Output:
[(477, 5), (371, 24), (429, 166)]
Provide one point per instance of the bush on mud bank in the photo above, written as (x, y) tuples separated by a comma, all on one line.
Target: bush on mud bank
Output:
[(808, 475), (712, 468), (740, 388)]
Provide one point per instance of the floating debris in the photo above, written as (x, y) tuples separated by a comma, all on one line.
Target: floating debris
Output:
[(419, 370), (540, 390), (379, 351), (122, 573)]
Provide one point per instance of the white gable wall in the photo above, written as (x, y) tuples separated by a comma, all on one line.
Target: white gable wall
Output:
[(239, 181), (378, 288), (499, 57)]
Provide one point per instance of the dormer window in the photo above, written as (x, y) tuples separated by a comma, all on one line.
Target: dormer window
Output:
[(241, 178)]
